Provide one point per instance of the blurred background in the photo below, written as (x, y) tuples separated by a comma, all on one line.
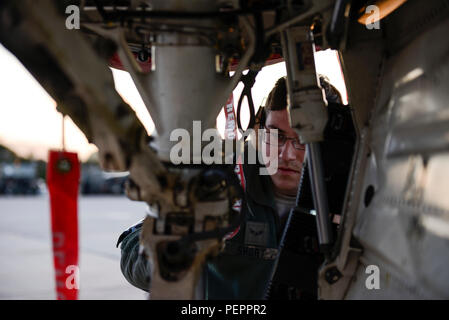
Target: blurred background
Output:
[(30, 126)]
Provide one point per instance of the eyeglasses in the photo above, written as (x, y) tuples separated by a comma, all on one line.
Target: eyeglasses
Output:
[(270, 137)]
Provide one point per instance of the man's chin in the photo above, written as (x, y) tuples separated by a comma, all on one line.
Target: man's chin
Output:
[(286, 182)]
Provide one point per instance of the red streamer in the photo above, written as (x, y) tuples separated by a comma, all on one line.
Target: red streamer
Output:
[(63, 174)]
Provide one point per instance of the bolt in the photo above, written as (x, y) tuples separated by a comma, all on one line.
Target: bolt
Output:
[(332, 275)]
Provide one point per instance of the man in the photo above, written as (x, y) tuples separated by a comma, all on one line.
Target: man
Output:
[(291, 152), (243, 269)]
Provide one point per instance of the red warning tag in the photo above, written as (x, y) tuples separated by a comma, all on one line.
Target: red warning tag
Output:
[(231, 133), (63, 174)]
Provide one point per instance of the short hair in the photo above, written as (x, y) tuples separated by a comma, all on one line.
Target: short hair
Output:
[(277, 99)]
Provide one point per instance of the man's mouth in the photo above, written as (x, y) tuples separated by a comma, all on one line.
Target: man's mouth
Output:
[(288, 171)]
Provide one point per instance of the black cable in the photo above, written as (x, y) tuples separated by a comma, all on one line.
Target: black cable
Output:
[(299, 196), (260, 55), (248, 82)]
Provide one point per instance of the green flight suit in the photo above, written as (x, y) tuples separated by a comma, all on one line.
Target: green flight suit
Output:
[(242, 270)]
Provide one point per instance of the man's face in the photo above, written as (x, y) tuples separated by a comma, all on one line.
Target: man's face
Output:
[(290, 159)]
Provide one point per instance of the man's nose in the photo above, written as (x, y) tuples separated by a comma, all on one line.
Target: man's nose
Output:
[(288, 152)]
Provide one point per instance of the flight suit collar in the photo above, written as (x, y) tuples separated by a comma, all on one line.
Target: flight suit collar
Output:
[(259, 187)]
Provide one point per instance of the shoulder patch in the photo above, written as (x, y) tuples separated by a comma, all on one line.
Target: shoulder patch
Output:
[(256, 233)]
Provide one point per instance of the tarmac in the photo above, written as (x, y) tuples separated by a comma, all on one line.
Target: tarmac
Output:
[(26, 256)]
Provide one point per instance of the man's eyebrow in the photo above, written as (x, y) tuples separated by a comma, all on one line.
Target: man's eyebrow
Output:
[(270, 126)]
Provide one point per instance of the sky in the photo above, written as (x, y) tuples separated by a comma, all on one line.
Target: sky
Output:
[(30, 124)]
